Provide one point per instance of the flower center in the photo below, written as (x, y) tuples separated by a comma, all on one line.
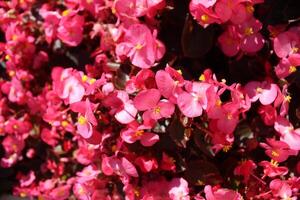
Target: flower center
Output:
[(292, 69), (259, 90), (249, 31), (274, 163), (64, 123), (139, 133), (204, 18), (138, 46), (275, 153), (226, 148), (82, 120), (157, 110)]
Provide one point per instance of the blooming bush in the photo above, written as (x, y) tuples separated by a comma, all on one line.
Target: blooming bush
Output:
[(150, 99)]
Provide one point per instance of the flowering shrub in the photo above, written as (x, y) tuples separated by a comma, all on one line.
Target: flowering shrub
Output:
[(150, 99)]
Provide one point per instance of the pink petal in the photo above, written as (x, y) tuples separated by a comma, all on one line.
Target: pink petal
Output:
[(292, 139), (252, 43), (149, 139), (146, 99), (127, 115), (166, 108), (188, 105), (129, 167), (165, 83), (128, 136), (268, 95), (250, 89)]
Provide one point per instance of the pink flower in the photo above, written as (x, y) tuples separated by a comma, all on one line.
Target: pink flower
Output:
[(141, 46), (289, 135), (121, 106), (67, 85), (268, 114), (271, 169), (82, 191), (264, 91), (70, 29), (50, 24), (252, 41), (60, 193), (287, 43), (278, 150), (281, 189), (287, 66), (204, 14), (169, 83), (179, 189), (192, 102), (231, 10), (136, 132), (149, 101), (220, 194), (119, 166), (50, 136), (230, 41), (86, 117), (146, 164), (27, 180), (245, 169), (13, 144)]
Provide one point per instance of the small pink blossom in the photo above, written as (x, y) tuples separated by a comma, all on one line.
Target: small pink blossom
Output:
[(136, 132), (141, 46), (263, 91), (179, 189), (220, 193)]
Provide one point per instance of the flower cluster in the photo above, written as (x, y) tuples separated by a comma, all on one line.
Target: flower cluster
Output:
[(96, 104)]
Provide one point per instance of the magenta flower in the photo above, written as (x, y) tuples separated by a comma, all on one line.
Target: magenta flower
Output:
[(287, 43), (146, 164), (287, 66), (119, 166), (278, 150), (86, 118), (203, 13), (230, 41), (67, 85), (136, 132), (149, 101), (179, 189), (195, 100), (245, 169), (263, 91), (221, 193), (252, 41), (141, 46), (271, 169), (70, 29), (231, 10)]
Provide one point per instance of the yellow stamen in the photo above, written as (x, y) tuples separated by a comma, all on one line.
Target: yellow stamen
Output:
[(11, 73), (288, 98), (226, 148), (229, 116), (138, 46), (259, 90), (82, 120), (137, 192), (275, 154), (204, 18), (23, 194), (113, 10), (249, 31), (66, 12), (89, 1), (274, 163), (139, 133), (292, 69), (114, 148), (40, 197), (92, 80), (157, 110), (7, 57), (84, 78), (249, 8), (64, 123), (295, 49), (218, 102), (179, 71), (202, 77), (15, 126), (200, 183), (14, 37)]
